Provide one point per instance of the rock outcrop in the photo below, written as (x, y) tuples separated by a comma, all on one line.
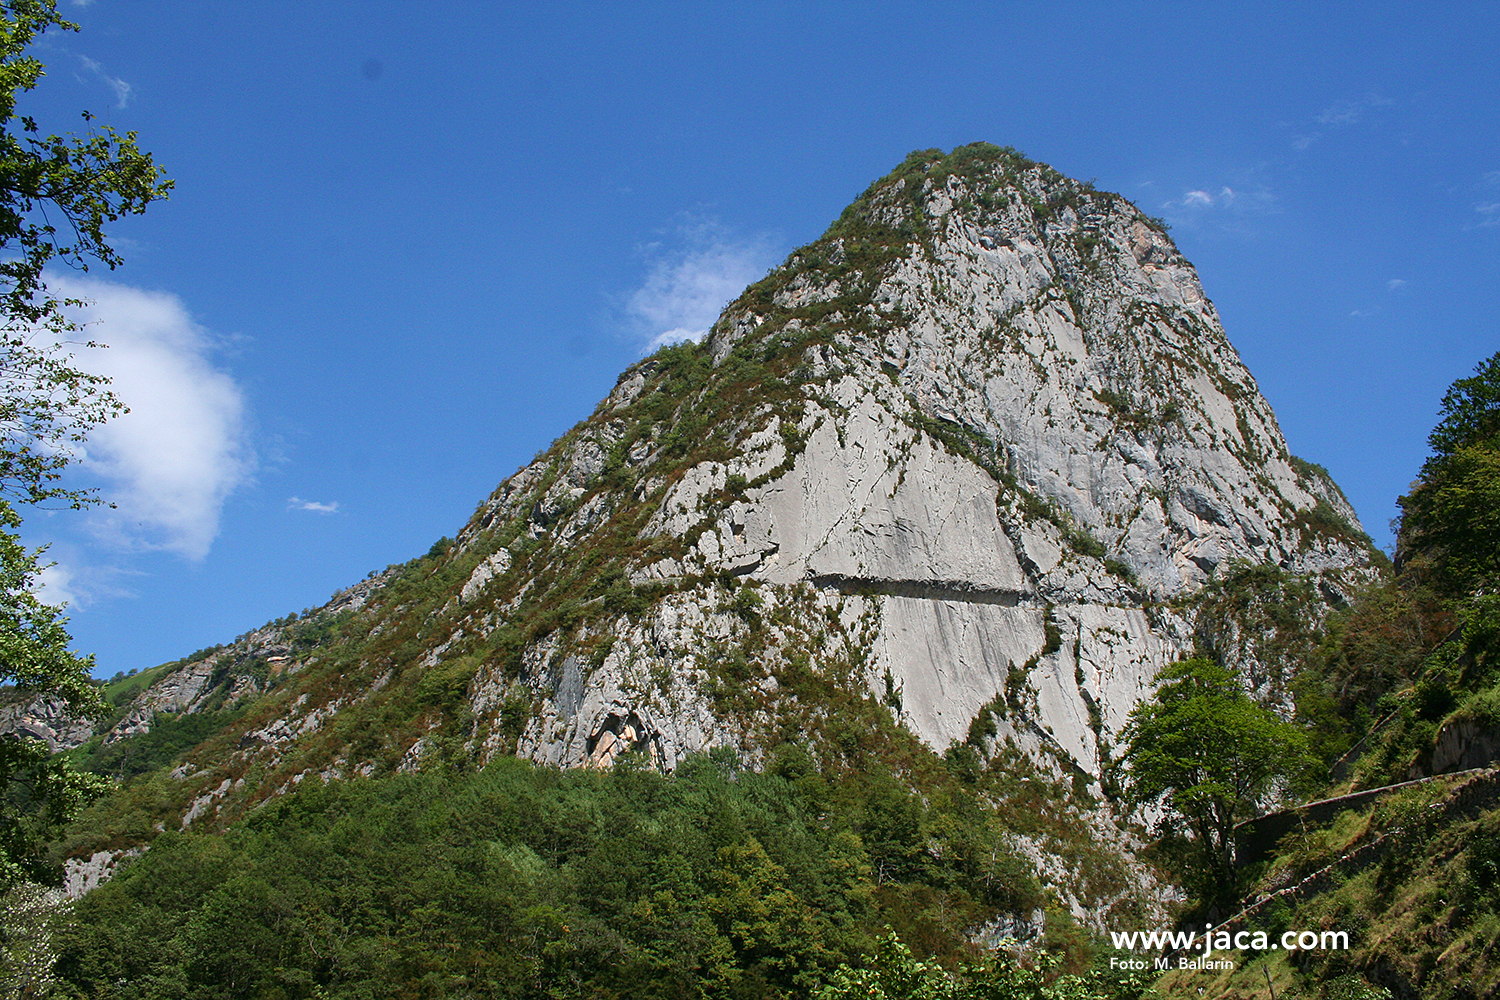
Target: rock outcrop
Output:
[(214, 679), (45, 718)]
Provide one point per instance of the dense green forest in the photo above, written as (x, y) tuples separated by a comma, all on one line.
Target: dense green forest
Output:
[(519, 880)]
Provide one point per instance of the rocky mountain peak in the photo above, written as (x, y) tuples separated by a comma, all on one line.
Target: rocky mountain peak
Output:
[(946, 477), (990, 404)]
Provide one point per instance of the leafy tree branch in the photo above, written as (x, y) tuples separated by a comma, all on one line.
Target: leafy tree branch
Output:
[(57, 195)]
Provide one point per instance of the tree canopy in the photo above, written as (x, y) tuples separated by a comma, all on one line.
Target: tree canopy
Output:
[(57, 193), (1471, 412), (1450, 521), (894, 973), (521, 880), (1212, 754)]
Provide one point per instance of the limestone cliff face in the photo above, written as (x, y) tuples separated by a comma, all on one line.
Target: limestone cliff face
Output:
[(1010, 412), (41, 717), (947, 472)]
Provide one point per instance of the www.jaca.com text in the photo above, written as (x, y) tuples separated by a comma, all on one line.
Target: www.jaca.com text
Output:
[(1211, 941)]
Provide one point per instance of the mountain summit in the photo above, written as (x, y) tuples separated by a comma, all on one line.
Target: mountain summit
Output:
[(968, 444), (949, 477)]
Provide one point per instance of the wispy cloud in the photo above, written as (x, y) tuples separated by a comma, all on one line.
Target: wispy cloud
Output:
[(173, 460), (1392, 286), (297, 503), (70, 578), (1339, 115), (687, 284), (55, 585), (122, 89), (1489, 215), (1233, 210), (1224, 198), (1342, 113)]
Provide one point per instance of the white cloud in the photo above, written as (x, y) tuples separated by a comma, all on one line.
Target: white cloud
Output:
[(1257, 199), (1489, 215), (122, 89), (1340, 114), (676, 335), (1395, 283), (1491, 177), (686, 288), (69, 578), (173, 460), (55, 585), (297, 503)]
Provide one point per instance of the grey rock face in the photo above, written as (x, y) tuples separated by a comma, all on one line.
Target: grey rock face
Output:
[(1031, 420), (80, 875), (45, 718), (222, 678)]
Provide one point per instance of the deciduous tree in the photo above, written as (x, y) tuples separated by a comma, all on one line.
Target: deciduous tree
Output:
[(57, 194), (1211, 754), (1450, 521)]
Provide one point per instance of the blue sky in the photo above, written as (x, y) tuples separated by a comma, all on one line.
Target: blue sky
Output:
[(411, 244)]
